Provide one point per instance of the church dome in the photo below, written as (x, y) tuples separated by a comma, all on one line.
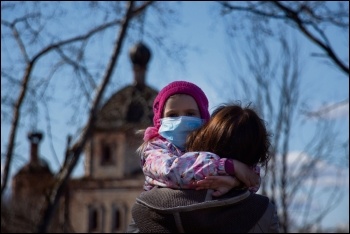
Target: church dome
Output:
[(131, 107), (36, 164)]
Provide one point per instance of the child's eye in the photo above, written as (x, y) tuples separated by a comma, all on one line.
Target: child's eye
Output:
[(172, 115)]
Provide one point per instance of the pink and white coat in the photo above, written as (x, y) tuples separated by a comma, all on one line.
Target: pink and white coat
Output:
[(164, 165)]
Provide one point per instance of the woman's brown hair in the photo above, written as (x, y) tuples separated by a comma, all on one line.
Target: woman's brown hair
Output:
[(233, 132)]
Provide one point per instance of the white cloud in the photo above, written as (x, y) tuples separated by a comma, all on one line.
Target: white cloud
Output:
[(328, 175), (331, 110)]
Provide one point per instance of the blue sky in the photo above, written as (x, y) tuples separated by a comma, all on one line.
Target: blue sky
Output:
[(206, 64)]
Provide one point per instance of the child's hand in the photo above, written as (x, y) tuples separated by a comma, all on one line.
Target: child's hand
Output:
[(246, 174), (220, 184)]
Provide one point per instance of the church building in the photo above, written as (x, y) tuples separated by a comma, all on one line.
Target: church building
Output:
[(101, 200)]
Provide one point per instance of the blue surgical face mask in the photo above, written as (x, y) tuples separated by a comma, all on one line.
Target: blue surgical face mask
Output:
[(176, 129)]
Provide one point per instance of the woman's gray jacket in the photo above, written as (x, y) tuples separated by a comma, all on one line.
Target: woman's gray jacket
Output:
[(166, 210)]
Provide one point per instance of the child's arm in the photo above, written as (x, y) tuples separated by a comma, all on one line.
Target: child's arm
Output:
[(223, 184), (164, 166), (220, 184), (250, 176)]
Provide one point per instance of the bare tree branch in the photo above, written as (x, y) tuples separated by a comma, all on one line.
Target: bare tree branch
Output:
[(299, 17), (294, 16), (325, 110), (30, 65), (77, 148)]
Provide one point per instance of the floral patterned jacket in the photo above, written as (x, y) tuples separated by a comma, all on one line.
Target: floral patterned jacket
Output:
[(164, 165)]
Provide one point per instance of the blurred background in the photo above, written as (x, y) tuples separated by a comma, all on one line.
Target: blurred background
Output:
[(63, 62)]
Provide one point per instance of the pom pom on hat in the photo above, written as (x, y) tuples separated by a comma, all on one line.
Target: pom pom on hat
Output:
[(180, 87)]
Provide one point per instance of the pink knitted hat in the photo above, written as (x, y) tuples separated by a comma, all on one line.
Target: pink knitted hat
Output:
[(179, 87)]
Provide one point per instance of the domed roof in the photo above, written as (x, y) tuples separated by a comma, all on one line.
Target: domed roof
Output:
[(129, 108), (140, 55), (36, 164), (40, 167)]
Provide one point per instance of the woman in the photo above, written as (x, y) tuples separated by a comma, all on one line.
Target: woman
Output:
[(232, 132)]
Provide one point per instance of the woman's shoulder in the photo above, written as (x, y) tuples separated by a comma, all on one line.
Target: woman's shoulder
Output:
[(268, 223)]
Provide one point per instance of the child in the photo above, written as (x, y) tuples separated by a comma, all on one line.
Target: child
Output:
[(180, 108)]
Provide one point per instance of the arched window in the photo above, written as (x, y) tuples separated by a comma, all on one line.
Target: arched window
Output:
[(106, 154), (93, 219), (118, 217), (96, 218), (107, 150)]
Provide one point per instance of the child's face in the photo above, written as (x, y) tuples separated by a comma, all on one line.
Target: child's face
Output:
[(181, 105)]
